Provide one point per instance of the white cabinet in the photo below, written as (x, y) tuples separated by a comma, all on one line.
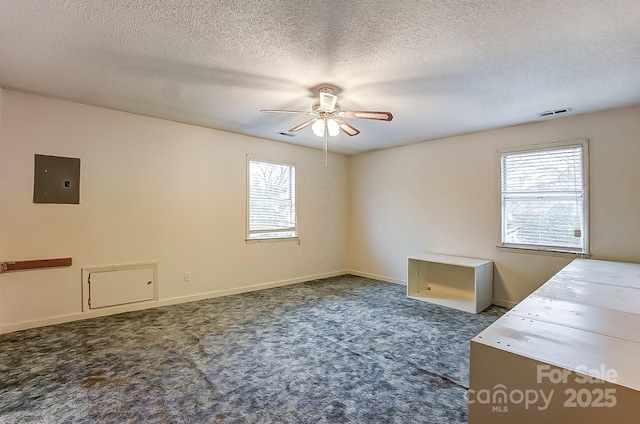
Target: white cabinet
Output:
[(453, 281)]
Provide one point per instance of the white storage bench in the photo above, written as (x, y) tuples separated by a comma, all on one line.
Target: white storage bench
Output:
[(568, 353), (453, 281)]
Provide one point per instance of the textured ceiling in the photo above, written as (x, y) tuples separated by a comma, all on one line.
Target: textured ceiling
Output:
[(441, 67)]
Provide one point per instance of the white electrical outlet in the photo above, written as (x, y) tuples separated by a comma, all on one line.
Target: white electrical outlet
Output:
[(187, 276)]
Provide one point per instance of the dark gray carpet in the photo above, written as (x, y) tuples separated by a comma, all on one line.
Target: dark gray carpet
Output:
[(339, 350)]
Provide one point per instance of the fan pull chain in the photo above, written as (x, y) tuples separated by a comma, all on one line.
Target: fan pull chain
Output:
[(326, 143)]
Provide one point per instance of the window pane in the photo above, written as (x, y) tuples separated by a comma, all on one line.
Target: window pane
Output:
[(272, 211), (543, 171), (543, 222)]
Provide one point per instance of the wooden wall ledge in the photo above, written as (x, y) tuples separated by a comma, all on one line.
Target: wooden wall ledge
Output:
[(40, 263)]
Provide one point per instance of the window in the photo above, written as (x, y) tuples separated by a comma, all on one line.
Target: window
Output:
[(545, 197), (272, 201)]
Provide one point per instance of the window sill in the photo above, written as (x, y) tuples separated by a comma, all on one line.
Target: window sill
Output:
[(272, 240), (558, 253)]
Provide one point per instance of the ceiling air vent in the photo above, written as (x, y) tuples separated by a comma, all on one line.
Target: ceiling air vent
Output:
[(286, 134), (554, 112)]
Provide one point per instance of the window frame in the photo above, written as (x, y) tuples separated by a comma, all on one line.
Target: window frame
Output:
[(296, 237), (553, 250)]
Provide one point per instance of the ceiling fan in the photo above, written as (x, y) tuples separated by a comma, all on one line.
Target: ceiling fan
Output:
[(327, 117)]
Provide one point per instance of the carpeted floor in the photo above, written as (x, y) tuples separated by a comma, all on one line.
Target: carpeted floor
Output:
[(339, 350)]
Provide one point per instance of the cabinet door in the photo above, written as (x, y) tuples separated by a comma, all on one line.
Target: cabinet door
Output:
[(117, 287)]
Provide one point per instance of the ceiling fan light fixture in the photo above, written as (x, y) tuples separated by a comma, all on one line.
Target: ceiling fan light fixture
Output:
[(318, 127), (333, 127)]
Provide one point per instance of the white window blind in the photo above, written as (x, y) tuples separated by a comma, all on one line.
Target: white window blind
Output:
[(272, 200), (544, 199)]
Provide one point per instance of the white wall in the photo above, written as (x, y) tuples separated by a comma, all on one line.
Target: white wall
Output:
[(154, 190), (151, 190), (443, 196)]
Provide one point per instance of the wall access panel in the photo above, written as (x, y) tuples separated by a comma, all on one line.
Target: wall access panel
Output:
[(115, 285)]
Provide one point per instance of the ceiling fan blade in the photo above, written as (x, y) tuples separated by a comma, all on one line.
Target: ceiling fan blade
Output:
[(380, 116), (297, 112), (303, 125), (328, 101), (347, 128)]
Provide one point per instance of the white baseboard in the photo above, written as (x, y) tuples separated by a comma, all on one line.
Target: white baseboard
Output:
[(377, 277), (9, 328)]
